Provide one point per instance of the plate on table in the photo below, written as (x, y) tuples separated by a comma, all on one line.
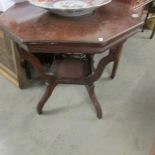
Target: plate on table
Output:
[(70, 8)]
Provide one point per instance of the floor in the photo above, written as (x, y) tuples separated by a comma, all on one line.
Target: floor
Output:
[(69, 125)]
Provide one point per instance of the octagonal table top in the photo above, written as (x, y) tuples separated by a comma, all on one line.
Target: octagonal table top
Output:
[(27, 24)]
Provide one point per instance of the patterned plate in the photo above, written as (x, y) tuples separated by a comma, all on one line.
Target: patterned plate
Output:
[(70, 8)]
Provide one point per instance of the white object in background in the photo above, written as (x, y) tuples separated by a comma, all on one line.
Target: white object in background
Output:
[(19, 1), (5, 4)]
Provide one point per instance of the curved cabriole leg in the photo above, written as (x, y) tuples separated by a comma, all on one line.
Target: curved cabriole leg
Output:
[(91, 92), (45, 97)]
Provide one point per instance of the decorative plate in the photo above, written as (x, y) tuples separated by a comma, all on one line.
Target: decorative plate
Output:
[(70, 8)]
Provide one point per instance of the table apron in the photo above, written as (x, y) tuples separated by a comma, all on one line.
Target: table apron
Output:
[(71, 48)]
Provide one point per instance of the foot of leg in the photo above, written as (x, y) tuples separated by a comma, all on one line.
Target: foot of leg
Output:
[(153, 32), (91, 92), (45, 97), (115, 67)]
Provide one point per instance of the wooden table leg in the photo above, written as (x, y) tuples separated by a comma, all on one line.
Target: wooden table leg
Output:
[(91, 92), (39, 67), (147, 15), (145, 21), (153, 32), (88, 81), (46, 96), (116, 51)]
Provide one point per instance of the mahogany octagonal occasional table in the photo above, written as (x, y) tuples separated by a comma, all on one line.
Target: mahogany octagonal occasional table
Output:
[(73, 42)]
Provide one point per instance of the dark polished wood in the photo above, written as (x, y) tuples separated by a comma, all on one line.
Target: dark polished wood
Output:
[(37, 31), (136, 4), (150, 10), (116, 51), (45, 97), (153, 32), (88, 78), (91, 92)]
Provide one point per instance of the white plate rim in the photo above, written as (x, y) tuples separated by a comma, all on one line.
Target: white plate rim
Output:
[(42, 5)]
